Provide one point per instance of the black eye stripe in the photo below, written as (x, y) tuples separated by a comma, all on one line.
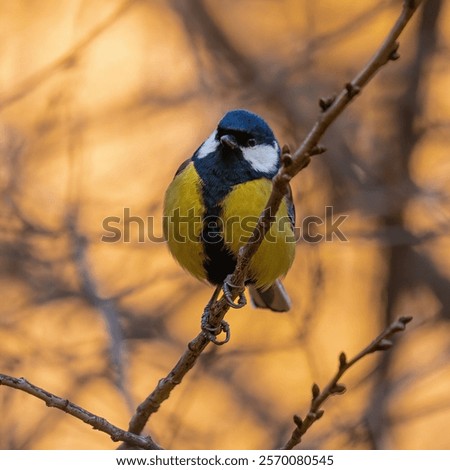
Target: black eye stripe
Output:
[(244, 139)]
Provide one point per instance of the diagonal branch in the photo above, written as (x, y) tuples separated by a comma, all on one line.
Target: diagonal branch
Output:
[(332, 108), (381, 343), (69, 58), (291, 166), (98, 423)]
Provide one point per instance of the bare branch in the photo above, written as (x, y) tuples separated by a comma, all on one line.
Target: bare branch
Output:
[(162, 391), (291, 166), (381, 343), (331, 108), (98, 423)]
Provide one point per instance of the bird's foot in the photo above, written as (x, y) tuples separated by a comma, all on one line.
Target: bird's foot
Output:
[(227, 288), (212, 332)]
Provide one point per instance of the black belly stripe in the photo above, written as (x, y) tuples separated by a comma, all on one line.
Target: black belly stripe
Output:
[(219, 261), (218, 175), (219, 172)]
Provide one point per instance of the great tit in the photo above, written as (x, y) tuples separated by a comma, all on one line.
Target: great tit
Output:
[(214, 201)]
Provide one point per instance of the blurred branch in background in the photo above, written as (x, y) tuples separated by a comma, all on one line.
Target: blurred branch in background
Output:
[(67, 60), (405, 271), (103, 111), (107, 306), (291, 166)]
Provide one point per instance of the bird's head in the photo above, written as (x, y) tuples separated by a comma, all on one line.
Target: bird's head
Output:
[(245, 135)]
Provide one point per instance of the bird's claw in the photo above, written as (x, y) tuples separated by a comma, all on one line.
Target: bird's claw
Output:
[(227, 287), (212, 332)]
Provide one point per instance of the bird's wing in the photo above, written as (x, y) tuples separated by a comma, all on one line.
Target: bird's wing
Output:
[(182, 167)]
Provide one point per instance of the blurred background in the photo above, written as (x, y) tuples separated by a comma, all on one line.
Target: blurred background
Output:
[(101, 101)]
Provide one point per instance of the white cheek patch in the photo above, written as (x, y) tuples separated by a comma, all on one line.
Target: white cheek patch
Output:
[(208, 146), (263, 158)]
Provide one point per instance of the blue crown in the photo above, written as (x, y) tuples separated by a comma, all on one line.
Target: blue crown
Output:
[(241, 120)]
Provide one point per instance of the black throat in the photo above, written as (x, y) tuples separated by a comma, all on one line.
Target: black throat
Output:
[(220, 171)]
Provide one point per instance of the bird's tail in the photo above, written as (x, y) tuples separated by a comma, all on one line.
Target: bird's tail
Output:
[(275, 297)]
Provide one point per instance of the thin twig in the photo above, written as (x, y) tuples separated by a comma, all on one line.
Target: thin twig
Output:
[(97, 422), (66, 60), (332, 108), (291, 166), (333, 387), (162, 391)]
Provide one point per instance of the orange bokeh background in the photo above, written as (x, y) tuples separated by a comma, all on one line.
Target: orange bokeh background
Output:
[(101, 101)]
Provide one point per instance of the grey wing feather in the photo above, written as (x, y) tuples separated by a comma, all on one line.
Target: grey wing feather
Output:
[(274, 298)]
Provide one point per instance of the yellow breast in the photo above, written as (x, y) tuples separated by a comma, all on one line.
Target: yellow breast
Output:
[(182, 222), (241, 210)]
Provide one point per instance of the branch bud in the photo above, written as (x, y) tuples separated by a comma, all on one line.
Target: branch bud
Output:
[(394, 55), (317, 150), (319, 414), (325, 103), (338, 389), (286, 149), (298, 421), (286, 159), (315, 391), (383, 345), (352, 90), (405, 320), (342, 360)]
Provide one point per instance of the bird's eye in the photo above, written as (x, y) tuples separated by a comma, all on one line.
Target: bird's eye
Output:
[(251, 142)]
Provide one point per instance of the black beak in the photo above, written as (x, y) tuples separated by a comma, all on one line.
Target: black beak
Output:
[(229, 140)]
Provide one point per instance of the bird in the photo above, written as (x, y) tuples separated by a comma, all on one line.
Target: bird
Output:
[(214, 201)]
